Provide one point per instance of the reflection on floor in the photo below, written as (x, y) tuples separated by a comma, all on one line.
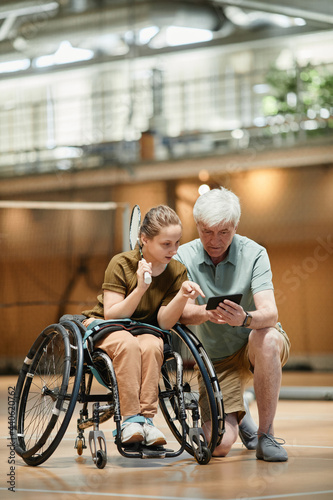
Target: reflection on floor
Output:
[(306, 425)]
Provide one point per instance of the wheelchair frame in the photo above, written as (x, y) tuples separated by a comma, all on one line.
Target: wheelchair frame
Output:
[(59, 370)]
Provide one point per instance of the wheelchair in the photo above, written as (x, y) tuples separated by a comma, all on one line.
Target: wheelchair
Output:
[(58, 373)]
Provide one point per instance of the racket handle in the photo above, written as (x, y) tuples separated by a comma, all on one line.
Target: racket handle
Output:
[(147, 278)]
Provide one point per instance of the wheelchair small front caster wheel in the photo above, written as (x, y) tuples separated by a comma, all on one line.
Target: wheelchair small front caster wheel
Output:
[(206, 455), (79, 447), (101, 459)]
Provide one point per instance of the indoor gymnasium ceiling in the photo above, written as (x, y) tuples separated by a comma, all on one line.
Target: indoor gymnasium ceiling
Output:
[(112, 29)]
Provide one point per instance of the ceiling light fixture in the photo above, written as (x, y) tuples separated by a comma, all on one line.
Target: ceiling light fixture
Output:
[(175, 35), (13, 66), (65, 54), (146, 34), (204, 188)]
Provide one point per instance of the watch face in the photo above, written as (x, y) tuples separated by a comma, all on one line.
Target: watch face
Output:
[(248, 320)]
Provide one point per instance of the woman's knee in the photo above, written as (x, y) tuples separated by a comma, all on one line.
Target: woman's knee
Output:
[(130, 344), (151, 345), (120, 344)]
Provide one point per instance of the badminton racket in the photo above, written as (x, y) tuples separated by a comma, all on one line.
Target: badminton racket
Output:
[(134, 236)]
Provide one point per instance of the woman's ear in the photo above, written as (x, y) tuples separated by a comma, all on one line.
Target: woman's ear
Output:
[(143, 240)]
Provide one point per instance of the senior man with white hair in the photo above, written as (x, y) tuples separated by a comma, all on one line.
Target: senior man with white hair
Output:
[(245, 339)]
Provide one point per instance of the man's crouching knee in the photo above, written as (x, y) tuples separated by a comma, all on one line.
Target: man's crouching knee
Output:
[(228, 439), (222, 449)]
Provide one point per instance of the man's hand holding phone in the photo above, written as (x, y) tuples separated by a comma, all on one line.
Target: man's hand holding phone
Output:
[(225, 309)]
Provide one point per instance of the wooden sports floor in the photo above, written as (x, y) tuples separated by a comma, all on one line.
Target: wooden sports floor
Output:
[(307, 427)]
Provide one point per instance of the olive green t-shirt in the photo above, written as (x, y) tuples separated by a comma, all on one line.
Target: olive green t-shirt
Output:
[(120, 276)]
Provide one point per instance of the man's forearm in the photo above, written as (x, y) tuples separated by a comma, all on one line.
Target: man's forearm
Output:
[(266, 313), (194, 314), (265, 318)]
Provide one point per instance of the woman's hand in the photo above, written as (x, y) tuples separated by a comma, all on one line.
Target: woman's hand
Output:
[(143, 267), (86, 322), (191, 290)]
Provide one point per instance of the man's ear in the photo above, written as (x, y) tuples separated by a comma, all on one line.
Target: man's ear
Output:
[(236, 227)]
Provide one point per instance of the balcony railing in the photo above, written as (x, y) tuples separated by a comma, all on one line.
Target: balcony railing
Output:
[(159, 120)]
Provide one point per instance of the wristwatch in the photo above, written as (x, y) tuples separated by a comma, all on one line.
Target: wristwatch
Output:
[(247, 320)]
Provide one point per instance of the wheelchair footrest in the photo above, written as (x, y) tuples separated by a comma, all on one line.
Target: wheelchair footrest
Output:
[(146, 451)]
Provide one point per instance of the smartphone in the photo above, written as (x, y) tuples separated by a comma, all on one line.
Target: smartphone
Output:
[(213, 302)]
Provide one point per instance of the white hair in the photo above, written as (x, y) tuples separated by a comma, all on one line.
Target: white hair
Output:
[(216, 206)]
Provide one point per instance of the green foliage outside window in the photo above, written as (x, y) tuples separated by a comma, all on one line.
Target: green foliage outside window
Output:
[(306, 92)]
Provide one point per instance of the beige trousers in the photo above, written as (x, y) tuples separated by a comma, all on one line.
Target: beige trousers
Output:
[(137, 362), (233, 373)]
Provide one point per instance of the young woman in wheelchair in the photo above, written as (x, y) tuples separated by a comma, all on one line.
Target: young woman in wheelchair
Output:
[(137, 360)]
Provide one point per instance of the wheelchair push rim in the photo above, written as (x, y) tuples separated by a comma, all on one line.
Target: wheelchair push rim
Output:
[(195, 364)]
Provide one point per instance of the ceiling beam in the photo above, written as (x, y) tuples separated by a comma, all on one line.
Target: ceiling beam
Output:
[(318, 11)]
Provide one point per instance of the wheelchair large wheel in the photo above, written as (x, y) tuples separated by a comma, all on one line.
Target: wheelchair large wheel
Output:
[(46, 392), (199, 383)]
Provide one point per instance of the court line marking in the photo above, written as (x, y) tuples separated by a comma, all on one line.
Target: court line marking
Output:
[(237, 443), (286, 445), (321, 418), (156, 497)]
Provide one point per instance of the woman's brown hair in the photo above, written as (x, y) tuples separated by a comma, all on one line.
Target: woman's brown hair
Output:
[(156, 218)]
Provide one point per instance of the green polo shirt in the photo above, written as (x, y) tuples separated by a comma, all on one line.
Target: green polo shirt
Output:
[(245, 270)]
